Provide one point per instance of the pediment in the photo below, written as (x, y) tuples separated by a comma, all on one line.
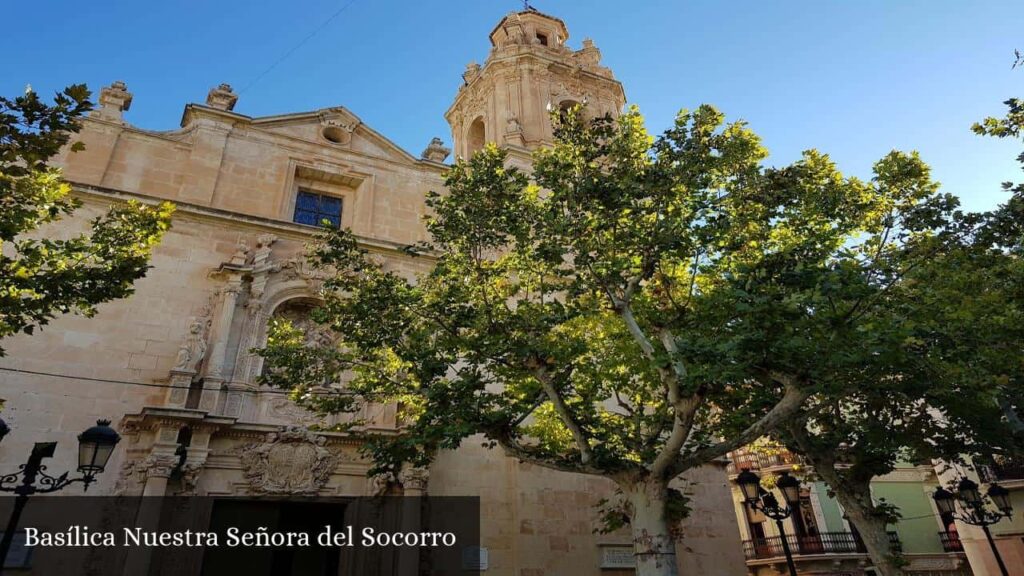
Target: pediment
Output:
[(335, 128)]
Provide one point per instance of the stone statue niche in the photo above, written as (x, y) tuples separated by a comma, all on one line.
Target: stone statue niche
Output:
[(280, 409), (193, 348), (298, 312)]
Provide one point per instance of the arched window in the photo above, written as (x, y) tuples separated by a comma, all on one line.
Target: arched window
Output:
[(476, 136)]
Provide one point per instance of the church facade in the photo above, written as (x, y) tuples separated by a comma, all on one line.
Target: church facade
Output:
[(172, 366)]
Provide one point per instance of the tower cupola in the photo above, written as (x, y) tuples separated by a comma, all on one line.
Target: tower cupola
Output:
[(529, 69)]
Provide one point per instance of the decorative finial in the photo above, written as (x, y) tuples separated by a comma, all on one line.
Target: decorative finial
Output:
[(114, 100), (222, 97), (436, 151)]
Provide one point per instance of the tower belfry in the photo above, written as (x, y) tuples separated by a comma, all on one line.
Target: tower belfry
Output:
[(528, 70)]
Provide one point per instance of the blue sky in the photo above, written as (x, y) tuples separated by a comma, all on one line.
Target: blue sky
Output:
[(853, 78)]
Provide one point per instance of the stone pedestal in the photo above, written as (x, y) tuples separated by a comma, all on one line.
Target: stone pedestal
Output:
[(181, 381)]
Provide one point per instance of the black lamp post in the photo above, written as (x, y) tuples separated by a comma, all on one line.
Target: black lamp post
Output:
[(4, 428), (95, 446), (973, 510), (766, 502)]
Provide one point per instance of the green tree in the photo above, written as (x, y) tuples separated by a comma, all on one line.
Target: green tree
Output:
[(947, 384), (996, 261), (42, 277), (849, 333), (605, 316)]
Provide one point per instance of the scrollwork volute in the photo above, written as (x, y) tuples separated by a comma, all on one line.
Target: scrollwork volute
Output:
[(158, 465), (414, 479)]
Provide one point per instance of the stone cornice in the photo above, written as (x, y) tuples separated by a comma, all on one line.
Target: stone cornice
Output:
[(255, 124), (252, 128), (533, 12), (549, 59), (288, 230)]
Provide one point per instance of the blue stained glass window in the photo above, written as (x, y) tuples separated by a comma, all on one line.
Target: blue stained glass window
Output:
[(313, 209), (330, 204)]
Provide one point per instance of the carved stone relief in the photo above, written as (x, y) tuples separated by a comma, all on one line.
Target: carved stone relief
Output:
[(283, 409), (293, 461), (298, 314)]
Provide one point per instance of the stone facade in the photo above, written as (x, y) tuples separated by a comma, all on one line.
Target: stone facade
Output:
[(172, 366)]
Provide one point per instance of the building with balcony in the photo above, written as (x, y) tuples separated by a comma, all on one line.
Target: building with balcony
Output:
[(1008, 534), (823, 542)]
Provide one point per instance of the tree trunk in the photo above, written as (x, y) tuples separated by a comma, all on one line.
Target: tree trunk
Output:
[(654, 546), (860, 510)]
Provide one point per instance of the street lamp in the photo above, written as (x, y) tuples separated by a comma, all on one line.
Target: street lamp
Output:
[(4, 428), (766, 502), (974, 511), (95, 446)]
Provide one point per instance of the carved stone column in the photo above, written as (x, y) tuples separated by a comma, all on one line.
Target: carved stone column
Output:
[(197, 452), (162, 459), (414, 485), (157, 467), (214, 378)]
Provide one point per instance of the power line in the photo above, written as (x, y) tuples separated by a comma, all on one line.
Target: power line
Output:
[(297, 46)]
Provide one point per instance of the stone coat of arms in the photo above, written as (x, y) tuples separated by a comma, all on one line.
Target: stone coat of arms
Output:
[(293, 461)]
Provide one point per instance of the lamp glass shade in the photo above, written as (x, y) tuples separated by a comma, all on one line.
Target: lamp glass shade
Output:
[(750, 485), (95, 446), (945, 501), (790, 488), (1001, 498), (968, 492)]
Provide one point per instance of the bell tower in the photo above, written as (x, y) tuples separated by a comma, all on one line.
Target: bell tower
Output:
[(529, 69)]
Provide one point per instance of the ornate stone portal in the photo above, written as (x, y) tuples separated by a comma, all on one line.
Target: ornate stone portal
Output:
[(293, 461)]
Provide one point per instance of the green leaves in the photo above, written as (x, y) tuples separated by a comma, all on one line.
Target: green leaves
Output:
[(641, 305), (41, 277), (32, 131)]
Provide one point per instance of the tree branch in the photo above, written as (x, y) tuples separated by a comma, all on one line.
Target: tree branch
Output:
[(684, 413), (626, 313), (541, 374), (788, 405), (524, 454), (684, 410)]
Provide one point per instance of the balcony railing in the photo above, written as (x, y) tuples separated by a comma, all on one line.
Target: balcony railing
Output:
[(951, 542), (759, 461), (1002, 469), (823, 543)]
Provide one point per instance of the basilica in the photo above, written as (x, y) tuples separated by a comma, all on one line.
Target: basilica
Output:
[(172, 365)]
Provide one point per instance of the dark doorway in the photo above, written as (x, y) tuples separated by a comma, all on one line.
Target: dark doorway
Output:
[(276, 516)]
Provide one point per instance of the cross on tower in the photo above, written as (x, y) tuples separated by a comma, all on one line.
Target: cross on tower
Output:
[(526, 5)]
